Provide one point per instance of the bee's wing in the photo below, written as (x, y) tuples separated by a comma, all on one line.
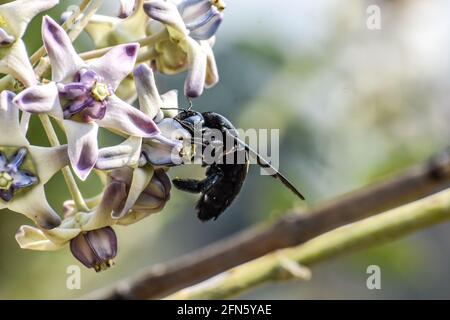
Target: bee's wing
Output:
[(265, 164)]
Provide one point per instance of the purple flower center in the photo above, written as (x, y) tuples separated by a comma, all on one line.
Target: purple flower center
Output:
[(87, 96), (12, 178)]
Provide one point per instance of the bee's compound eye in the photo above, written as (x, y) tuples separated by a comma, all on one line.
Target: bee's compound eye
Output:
[(195, 120)]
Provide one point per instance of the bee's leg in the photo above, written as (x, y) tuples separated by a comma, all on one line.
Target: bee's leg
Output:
[(263, 165), (188, 185), (210, 181), (214, 175)]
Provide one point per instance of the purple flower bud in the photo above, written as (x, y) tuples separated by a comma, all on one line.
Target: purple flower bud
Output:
[(150, 198), (96, 248), (156, 194)]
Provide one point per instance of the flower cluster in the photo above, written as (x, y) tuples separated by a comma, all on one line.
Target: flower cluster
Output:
[(92, 90)]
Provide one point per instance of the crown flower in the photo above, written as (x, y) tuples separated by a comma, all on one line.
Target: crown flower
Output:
[(14, 19), (148, 150), (130, 26), (181, 35), (89, 234), (83, 92), (24, 169), (83, 96), (80, 229), (191, 25), (144, 154)]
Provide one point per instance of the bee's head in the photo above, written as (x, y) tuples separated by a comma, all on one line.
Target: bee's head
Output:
[(190, 120)]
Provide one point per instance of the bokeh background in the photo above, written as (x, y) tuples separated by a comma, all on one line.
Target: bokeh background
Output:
[(352, 106)]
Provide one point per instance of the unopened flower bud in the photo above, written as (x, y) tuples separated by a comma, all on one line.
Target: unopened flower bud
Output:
[(95, 249), (157, 193)]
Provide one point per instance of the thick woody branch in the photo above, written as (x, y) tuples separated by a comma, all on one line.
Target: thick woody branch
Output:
[(376, 230), (292, 230)]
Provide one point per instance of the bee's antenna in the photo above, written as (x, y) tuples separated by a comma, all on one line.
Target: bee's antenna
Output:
[(189, 108), (179, 109)]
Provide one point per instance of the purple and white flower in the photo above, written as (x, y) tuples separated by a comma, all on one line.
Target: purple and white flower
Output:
[(137, 157), (82, 95), (148, 191), (91, 238), (108, 31), (95, 249), (25, 169), (127, 7), (14, 19), (192, 25), (80, 229)]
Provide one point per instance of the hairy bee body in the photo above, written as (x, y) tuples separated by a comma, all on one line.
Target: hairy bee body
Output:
[(223, 181), (219, 197), (224, 178)]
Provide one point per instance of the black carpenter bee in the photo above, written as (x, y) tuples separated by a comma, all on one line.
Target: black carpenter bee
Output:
[(223, 180)]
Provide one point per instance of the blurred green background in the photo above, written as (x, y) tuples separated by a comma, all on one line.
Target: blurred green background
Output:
[(352, 106)]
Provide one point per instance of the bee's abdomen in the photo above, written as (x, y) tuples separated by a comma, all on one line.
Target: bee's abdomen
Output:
[(220, 196)]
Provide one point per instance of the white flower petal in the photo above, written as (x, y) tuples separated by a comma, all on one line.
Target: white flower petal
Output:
[(63, 57), (61, 235), (196, 76), (158, 154), (33, 204), (149, 100), (112, 200), (48, 161), (141, 178), (108, 31), (82, 146), (24, 122), (9, 122), (15, 62), (170, 99), (5, 38), (122, 117), (40, 99), (201, 17), (100, 28), (126, 8), (212, 74), (163, 154), (167, 13), (125, 154), (32, 238), (115, 65), (17, 14)]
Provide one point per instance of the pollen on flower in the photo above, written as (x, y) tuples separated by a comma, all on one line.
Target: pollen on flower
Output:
[(5, 180), (86, 97), (219, 4), (105, 265), (3, 22), (100, 91)]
